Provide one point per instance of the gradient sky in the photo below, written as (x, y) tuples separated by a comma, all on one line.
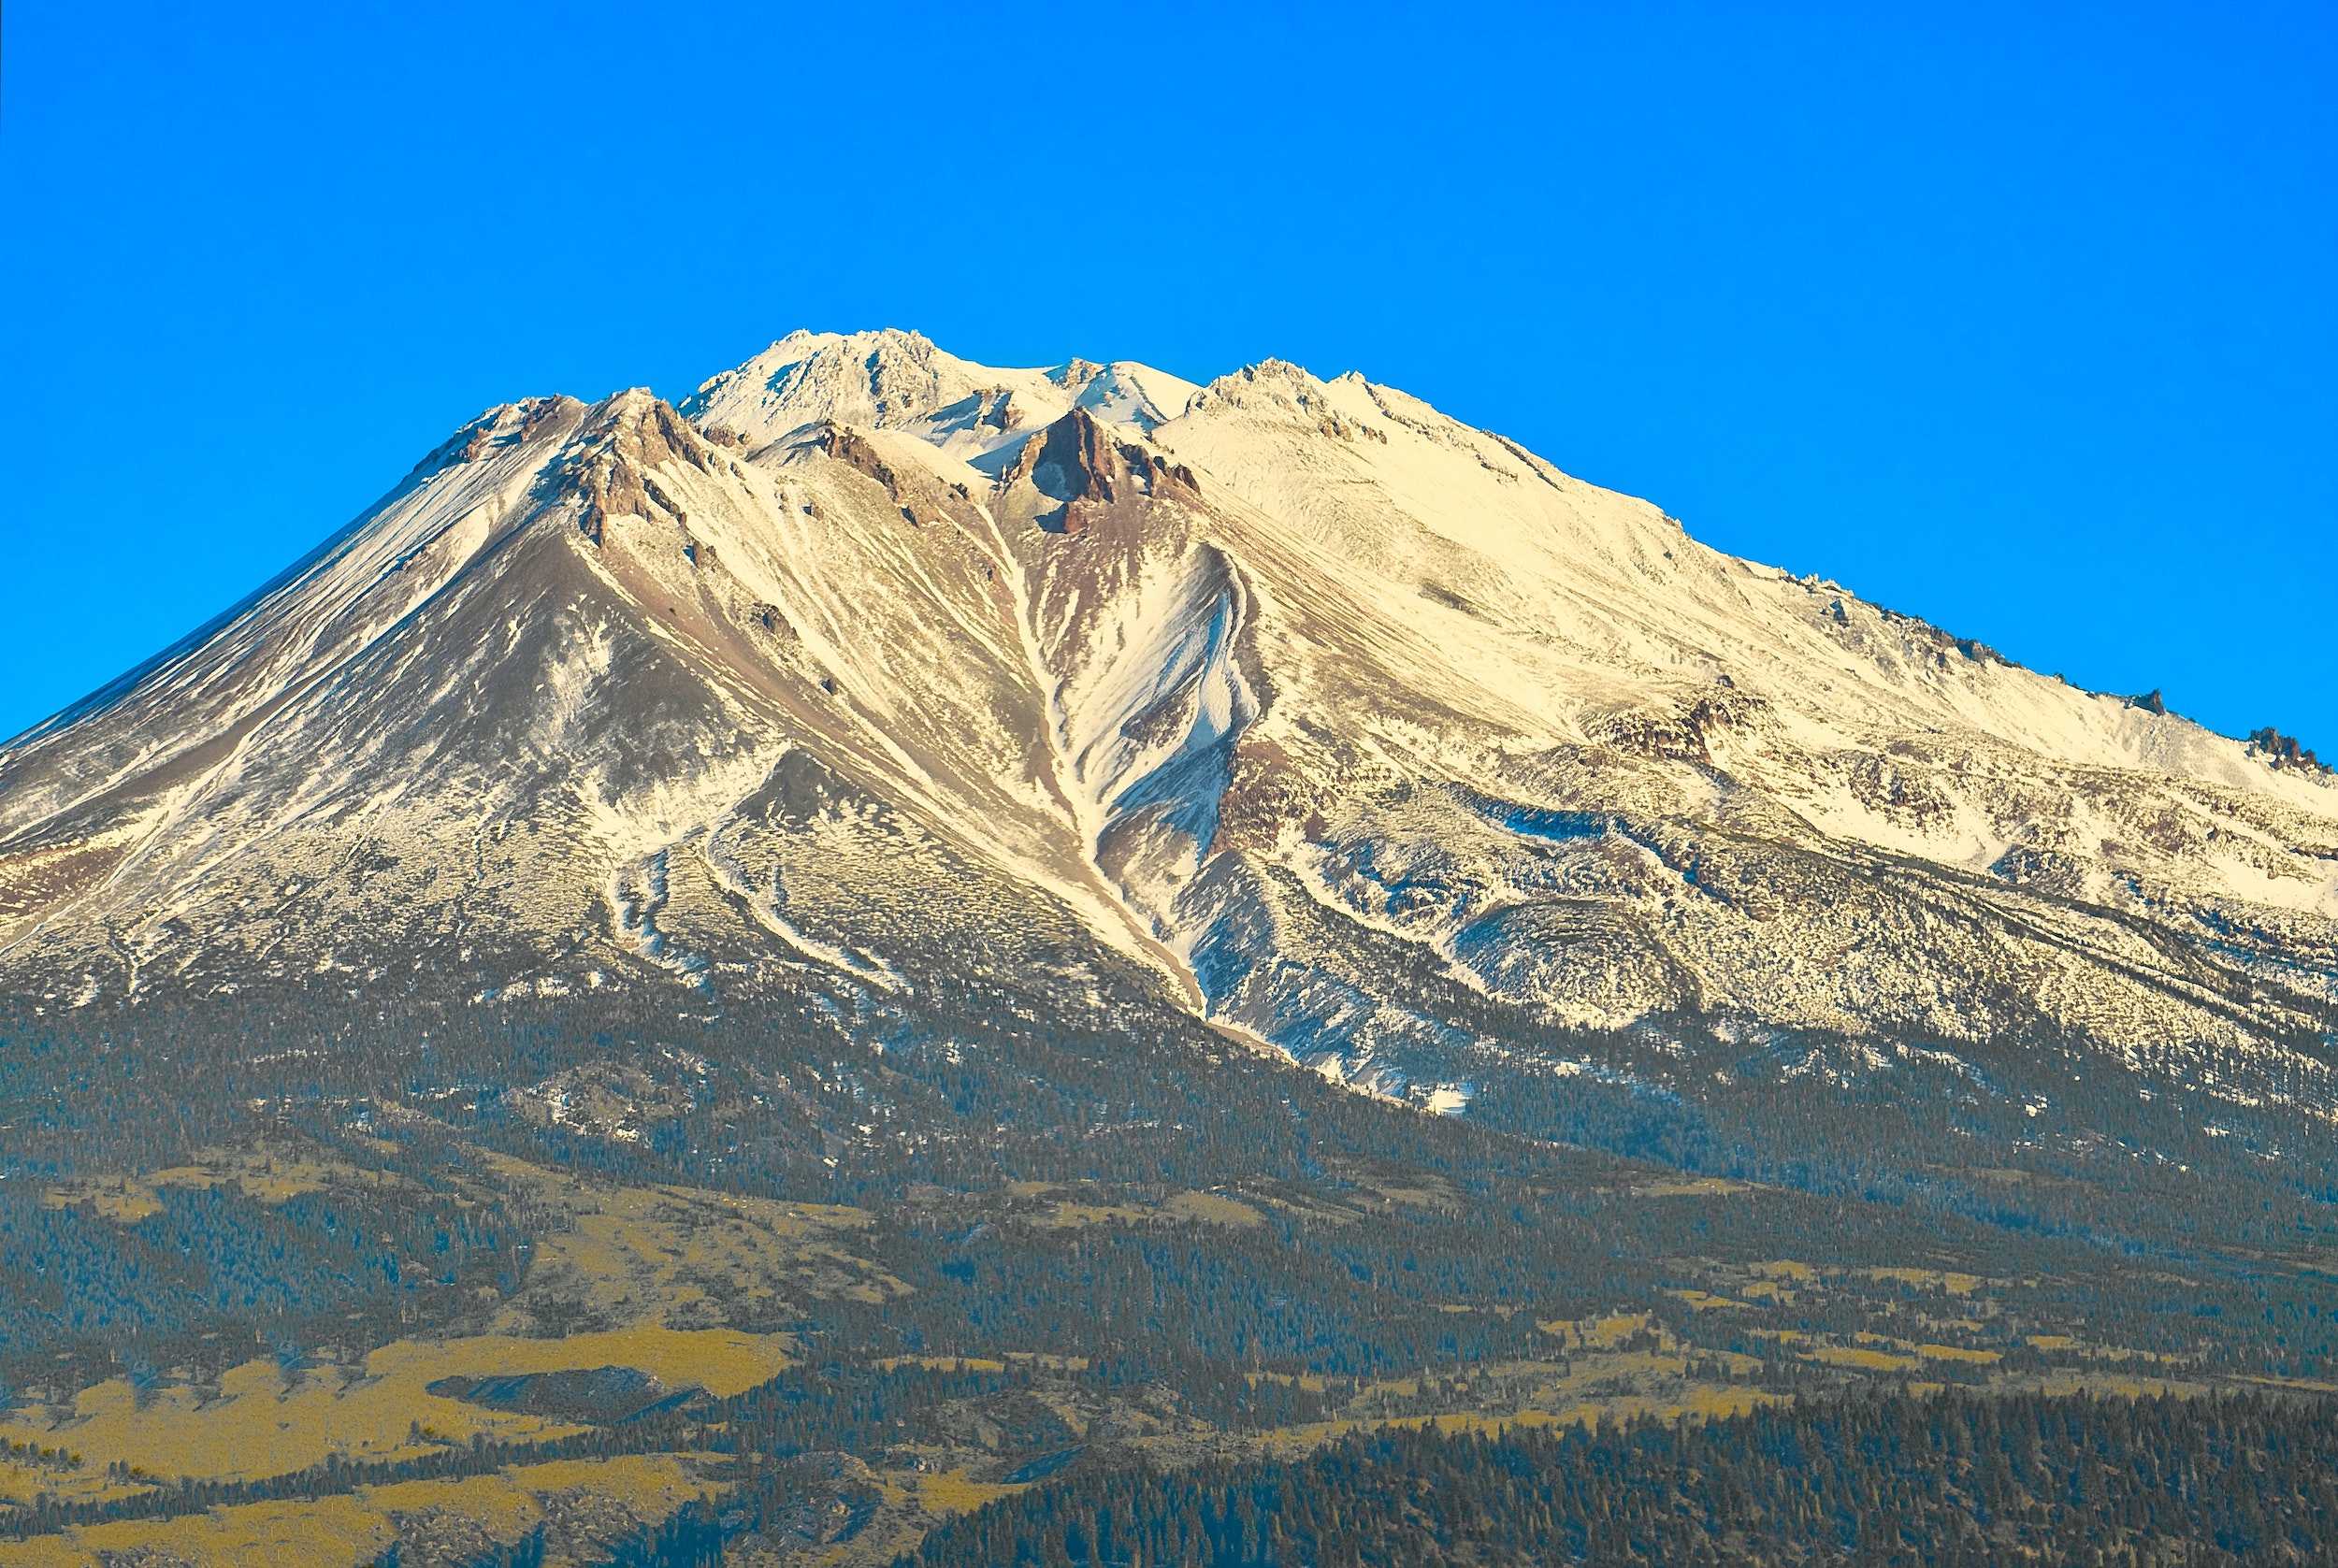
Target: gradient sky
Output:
[(2024, 319)]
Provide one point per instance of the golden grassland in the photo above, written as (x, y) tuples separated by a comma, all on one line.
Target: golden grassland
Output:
[(1692, 1186), (1424, 1191), (1602, 1333), (951, 1492), (1065, 1217), (1044, 1361), (356, 1528), (264, 1173), (673, 1256), (258, 1422), (670, 1256), (23, 1482), (2099, 1384), (1247, 1205), (1955, 1284), (1315, 1212), (1212, 1209), (2308, 1384), (1292, 1380), (1206, 1208), (1778, 1278), (1864, 1358)]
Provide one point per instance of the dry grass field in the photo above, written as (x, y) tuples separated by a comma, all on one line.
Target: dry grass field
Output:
[(257, 1421)]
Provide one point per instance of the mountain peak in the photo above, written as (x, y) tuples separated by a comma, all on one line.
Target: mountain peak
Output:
[(896, 379), (884, 378)]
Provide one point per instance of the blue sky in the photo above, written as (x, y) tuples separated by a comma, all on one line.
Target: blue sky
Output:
[(2019, 318)]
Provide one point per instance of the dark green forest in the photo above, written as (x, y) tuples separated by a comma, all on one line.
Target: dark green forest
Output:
[(1947, 1481)]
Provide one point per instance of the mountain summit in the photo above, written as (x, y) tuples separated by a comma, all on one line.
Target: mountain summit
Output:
[(1368, 735)]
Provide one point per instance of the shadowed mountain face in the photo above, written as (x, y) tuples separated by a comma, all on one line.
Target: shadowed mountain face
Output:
[(1365, 735)]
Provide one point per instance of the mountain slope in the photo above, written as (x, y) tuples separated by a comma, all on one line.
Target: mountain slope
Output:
[(1291, 702)]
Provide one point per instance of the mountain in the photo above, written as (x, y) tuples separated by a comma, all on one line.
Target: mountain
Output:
[(1366, 734), (735, 979)]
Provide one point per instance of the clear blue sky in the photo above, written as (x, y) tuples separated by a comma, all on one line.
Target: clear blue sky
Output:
[(2019, 318)]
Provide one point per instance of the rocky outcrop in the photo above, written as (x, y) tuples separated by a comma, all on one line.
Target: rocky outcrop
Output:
[(2283, 751)]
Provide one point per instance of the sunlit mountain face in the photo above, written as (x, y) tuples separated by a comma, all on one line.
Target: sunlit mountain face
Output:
[(1368, 735)]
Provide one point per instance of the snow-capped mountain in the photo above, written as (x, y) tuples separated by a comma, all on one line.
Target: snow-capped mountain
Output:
[(1363, 733)]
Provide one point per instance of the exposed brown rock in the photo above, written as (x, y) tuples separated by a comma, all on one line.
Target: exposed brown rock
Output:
[(2284, 751), (1684, 734)]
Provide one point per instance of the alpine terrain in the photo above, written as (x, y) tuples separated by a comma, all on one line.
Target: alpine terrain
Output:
[(1043, 917)]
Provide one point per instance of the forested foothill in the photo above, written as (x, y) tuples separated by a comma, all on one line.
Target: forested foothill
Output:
[(626, 1280)]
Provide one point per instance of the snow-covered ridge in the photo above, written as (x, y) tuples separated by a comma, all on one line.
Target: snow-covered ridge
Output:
[(899, 381)]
